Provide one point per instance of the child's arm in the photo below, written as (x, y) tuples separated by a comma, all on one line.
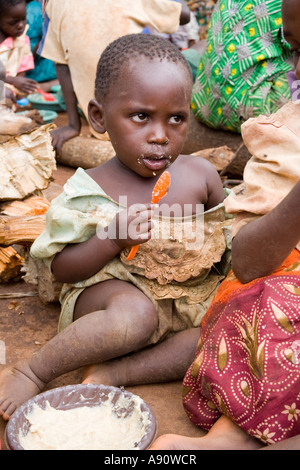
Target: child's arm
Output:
[(261, 246), (80, 261), (62, 134), (215, 191)]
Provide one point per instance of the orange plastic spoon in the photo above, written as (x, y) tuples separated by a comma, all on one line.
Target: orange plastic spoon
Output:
[(46, 96), (159, 191)]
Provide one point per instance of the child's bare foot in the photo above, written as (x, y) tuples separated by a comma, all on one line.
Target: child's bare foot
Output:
[(106, 373), (224, 435), (17, 384)]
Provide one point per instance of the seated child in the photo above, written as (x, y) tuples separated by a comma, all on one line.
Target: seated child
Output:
[(243, 385), (15, 52), (126, 319)]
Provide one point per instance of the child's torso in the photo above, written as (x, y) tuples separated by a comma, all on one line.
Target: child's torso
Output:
[(188, 189)]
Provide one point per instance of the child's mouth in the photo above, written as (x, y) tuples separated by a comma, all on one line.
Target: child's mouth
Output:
[(155, 163)]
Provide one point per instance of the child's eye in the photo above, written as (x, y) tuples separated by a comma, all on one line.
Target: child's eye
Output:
[(16, 21), (140, 117), (175, 119)]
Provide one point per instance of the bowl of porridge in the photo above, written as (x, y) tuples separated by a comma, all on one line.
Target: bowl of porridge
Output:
[(82, 417)]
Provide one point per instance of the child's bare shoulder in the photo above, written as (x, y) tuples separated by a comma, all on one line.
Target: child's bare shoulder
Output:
[(100, 173), (200, 172), (196, 163)]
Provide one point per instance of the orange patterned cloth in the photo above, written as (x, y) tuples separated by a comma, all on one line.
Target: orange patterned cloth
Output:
[(247, 363)]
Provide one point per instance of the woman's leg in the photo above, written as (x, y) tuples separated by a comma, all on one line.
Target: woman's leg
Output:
[(122, 321), (163, 362)]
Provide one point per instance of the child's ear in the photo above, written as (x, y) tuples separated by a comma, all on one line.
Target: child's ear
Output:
[(96, 116)]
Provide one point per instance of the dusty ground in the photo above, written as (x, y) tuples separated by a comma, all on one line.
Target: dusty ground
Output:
[(26, 324)]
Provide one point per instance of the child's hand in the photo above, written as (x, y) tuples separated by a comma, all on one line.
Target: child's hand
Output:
[(132, 226), (25, 85), (62, 135)]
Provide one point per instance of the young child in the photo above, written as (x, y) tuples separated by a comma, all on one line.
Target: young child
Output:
[(243, 386), (132, 321), (99, 22), (15, 52)]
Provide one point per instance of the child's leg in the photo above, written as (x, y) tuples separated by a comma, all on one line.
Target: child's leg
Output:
[(164, 362), (224, 435), (122, 321)]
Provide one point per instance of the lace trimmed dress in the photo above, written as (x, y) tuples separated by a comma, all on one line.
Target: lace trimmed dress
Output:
[(179, 269)]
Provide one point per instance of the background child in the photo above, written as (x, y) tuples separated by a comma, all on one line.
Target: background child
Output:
[(15, 51), (133, 321), (243, 386)]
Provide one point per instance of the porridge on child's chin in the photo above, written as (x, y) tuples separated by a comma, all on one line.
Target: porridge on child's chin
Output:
[(107, 426)]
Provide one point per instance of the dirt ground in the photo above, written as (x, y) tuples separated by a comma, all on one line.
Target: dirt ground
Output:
[(26, 324)]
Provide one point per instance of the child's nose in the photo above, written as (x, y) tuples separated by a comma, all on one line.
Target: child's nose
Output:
[(158, 135), (20, 27)]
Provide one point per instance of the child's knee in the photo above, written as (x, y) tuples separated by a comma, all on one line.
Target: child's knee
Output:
[(148, 316), (142, 320)]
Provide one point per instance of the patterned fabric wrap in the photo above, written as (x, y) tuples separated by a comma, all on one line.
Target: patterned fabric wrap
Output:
[(202, 10), (243, 71), (247, 363)]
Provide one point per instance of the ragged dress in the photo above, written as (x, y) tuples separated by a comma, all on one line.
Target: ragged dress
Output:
[(179, 269)]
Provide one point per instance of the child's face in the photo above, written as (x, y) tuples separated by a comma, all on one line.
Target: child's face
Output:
[(291, 29), (146, 114), (13, 22)]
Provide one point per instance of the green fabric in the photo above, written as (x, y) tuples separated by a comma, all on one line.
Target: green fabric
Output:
[(193, 57), (243, 71)]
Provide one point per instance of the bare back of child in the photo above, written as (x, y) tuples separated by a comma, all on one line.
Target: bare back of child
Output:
[(142, 99)]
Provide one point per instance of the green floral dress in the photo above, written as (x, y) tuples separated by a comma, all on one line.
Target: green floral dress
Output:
[(243, 71)]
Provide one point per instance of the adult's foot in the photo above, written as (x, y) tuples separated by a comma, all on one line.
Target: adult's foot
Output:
[(224, 435)]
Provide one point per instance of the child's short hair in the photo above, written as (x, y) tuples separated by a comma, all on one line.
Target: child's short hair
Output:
[(128, 47), (4, 4)]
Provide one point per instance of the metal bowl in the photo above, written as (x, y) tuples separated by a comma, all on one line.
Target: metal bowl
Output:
[(74, 396)]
